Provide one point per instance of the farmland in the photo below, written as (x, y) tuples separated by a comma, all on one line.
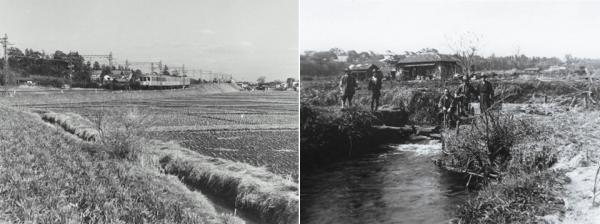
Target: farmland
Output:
[(258, 128), (237, 148)]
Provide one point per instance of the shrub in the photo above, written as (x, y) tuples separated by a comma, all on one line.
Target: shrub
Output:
[(486, 146), (121, 133)]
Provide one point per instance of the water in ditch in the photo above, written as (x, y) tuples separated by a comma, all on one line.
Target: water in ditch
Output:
[(399, 185)]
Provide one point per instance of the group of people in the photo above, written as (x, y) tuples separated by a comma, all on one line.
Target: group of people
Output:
[(458, 104), (348, 86), (451, 105)]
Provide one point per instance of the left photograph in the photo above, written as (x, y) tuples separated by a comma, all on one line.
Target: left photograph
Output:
[(149, 111)]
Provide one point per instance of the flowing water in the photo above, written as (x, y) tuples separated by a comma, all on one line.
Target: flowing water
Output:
[(400, 185)]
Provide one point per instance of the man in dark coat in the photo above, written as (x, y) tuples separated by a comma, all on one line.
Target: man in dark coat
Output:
[(348, 88), (375, 86), (464, 95), (486, 94), (446, 105)]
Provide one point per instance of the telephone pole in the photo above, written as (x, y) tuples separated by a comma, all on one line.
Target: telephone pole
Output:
[(5, 43), (110, 59)]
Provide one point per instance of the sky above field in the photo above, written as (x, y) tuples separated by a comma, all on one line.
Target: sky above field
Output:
[(534, 28), (247, 39)]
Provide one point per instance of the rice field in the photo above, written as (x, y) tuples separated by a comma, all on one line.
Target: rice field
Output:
[(258, 128)]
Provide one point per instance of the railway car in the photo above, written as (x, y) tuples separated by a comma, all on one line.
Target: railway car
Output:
[(155, 81)]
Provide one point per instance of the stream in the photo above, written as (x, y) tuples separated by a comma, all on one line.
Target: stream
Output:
[(399, 185)]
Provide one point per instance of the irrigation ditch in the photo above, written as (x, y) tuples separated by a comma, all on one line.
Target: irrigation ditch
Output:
[(251, 193)]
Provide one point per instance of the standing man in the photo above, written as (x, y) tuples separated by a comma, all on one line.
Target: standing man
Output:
[(347, 86), (486, 94), (463, 96), (375, 87), (445, 105)]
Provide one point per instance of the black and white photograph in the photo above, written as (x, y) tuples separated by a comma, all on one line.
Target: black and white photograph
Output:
[(149, 111), (449, 111)]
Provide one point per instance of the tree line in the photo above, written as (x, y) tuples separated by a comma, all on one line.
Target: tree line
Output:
[(60, 66), (334, 61)]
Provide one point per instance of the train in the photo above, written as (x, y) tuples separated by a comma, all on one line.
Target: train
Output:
[(156, 81)]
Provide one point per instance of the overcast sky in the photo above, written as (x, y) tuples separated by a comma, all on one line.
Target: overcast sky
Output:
[(534, 28), (245, 38)]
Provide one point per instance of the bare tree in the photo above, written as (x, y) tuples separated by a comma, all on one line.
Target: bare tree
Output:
[(465, 46), (261, 80)]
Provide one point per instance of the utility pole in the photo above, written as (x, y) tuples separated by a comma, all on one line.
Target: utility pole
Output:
[(151, 67), (4, 41), (110, 59)]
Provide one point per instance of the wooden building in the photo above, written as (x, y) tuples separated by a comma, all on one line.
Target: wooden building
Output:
[(428, 66), (362, 71)]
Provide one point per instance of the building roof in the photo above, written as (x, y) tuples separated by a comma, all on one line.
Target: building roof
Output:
[(361, 67), (427, 58)]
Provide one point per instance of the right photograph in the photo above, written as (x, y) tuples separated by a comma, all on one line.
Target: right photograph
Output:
[(449, 111)]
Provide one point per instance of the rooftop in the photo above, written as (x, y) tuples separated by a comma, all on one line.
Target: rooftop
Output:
[(425, 58)]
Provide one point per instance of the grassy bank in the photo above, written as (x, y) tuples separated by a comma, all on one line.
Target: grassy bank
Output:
[(255, 190), (508, 160), (48, 177), (244, 187)]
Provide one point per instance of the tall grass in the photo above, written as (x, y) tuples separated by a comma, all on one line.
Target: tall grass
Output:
[(252, 189), (48, 177), (510, 158)]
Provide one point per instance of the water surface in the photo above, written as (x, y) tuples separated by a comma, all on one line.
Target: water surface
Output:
[(400, 185)]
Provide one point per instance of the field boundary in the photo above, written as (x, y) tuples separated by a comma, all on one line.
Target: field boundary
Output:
[(253, 190)]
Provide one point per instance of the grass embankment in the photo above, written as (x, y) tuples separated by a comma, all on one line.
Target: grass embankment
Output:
[(547, 176), (48, 177), (253, 189), (508, 160), (247, 188), (73, 123)]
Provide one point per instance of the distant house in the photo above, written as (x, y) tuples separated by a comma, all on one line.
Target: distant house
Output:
[(362, 71), (532, 71), (341, 58), (96, 75), (428, 66), (120, 75)]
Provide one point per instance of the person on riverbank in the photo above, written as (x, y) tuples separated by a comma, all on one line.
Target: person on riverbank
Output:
[(463, 96), (446, 106), (375, 83), (486, 94), (348, 88)]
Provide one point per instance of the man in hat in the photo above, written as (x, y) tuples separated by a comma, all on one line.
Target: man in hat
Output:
[(348, 87), (375, 83), (486, 94), (463, 96), (445, 105)]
